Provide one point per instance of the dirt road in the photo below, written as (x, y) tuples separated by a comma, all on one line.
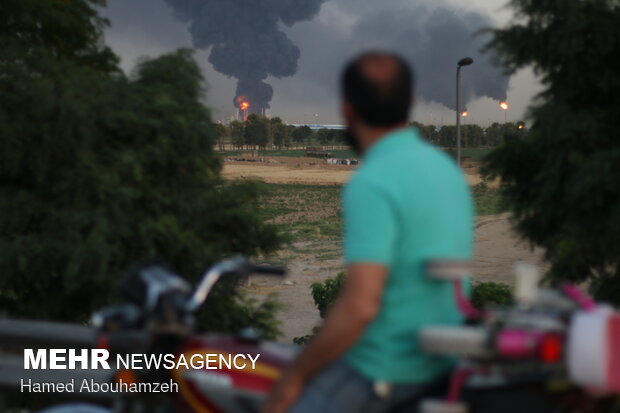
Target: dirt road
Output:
[(497, 249)]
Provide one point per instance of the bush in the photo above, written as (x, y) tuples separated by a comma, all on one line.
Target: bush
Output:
[(561, 177), (99, 171), (325, 293), (483, 294), (487, 293)]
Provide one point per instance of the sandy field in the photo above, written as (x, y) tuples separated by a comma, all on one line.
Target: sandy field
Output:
[(281, 170)]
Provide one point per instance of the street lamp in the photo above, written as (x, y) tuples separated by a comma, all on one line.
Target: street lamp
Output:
[(504, 105), (466, 61)]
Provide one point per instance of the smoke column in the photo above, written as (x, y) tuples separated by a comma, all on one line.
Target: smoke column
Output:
[(434, 39), (246, 40), (433, 35)]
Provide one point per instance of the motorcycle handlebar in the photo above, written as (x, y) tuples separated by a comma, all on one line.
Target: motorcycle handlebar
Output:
[(239, 266)]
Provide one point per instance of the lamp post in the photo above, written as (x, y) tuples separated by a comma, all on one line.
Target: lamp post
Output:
[(504, 105), (466, 61)]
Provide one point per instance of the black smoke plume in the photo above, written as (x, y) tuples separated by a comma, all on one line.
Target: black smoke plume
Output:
[(246, 40), (433, 35), (434, 39)]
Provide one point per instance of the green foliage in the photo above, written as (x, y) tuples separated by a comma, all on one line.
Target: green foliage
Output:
[(561, 178), (281, 134), (472, 136), (315, 208), (325, 293), (484, 294), (325, 136), (259, 315), (221, 132), (237, 133), (256, 132), (303, 340), (488, 201), (98, 171), (497, 133), (302, 134), (36, 33)]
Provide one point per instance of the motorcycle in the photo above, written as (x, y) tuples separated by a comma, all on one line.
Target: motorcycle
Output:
[(553, 351), (158, 319)]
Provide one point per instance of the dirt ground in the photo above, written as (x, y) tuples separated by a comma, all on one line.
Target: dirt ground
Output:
[(281, 170), (497, 249)]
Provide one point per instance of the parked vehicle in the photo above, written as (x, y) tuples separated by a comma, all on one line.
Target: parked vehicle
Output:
[(554, 351)]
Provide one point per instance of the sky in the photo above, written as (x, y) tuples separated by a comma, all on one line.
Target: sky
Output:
[(431, 34)]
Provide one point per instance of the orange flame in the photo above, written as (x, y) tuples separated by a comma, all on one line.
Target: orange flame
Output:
[(464, 114), (242, 102), (503, 105)]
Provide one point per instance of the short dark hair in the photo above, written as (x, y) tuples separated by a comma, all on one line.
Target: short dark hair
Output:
[(378, 103)]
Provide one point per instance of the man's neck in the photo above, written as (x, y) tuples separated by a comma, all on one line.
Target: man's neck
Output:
[(367, 135)]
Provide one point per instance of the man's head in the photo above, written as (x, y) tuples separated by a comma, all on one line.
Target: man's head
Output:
[(377, 92)]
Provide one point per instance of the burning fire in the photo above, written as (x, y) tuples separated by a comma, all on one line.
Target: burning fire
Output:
[(464, 114), (242, 102), (503, 105)]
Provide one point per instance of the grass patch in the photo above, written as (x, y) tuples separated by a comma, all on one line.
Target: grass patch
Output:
[(312, 212), (306, 212), (477, 154), (487, 201)]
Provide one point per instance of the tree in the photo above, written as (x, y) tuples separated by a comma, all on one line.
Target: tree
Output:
[(446, 137), (301, 134), (339, 137), (237, 133), (427, 132), (256, 132), (472, 135), (35, 33), (324, 136), (281, 135), (275, 120), (561, 178), (99, 171), (220, 133)]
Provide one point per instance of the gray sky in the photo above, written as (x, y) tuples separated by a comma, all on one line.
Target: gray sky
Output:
[(342, 28)]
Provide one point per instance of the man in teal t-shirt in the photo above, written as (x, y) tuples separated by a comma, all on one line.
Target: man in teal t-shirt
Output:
[(408, 204)]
